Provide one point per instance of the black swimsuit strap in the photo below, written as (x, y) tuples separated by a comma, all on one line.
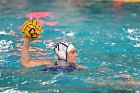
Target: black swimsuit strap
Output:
[(56, 63)]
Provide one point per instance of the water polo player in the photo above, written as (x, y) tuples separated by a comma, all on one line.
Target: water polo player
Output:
[(64, 51)]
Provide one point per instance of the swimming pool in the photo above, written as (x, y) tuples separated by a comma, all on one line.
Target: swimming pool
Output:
[(106, 35)]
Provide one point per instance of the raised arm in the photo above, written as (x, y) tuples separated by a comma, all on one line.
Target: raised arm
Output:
[(26, 61)]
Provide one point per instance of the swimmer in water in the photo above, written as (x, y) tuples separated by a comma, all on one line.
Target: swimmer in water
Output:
[(64, 51)]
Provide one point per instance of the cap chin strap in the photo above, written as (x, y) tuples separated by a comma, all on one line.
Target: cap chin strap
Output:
[(63, 63)]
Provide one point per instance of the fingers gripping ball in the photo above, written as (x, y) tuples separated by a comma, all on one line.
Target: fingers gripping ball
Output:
[(31, 29)]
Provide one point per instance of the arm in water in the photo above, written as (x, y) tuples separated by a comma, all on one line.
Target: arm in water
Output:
[(26, 61)]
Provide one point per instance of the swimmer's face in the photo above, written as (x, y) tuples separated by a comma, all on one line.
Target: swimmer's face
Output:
[(72, 56)]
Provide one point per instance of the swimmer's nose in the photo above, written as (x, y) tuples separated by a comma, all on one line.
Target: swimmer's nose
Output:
[(76, 54)]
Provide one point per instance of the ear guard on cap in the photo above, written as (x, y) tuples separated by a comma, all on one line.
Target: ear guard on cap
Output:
[(62, 55), (61, 50)]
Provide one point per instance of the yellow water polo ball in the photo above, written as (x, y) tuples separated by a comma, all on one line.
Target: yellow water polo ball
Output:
[(31, 29)]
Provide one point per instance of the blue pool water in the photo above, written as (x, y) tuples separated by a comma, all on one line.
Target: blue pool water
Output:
[(106, 36)]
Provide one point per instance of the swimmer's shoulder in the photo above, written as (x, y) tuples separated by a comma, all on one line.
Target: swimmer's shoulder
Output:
[(47, 62), (79, 66)]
